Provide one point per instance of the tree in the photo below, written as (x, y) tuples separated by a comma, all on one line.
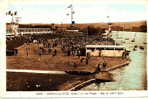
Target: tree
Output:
[(143, 28), (91, 30)]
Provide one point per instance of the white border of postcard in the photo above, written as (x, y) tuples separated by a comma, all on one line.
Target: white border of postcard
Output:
[(80, 94)]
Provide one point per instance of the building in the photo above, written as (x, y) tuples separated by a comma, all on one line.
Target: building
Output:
[(105, 50), (11, 28), (33, 30), (21, 29)]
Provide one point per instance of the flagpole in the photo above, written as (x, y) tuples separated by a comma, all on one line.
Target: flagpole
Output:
[(71, 14)]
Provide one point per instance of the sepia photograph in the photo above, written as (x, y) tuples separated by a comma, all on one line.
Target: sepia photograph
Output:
[(76, 45)]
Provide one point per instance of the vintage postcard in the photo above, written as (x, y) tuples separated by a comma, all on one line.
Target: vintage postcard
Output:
[(74, 48)]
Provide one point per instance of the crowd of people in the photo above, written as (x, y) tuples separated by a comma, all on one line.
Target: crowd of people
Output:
[(56, 44)]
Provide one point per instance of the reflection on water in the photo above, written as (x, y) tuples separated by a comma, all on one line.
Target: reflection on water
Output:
[(133, 76)]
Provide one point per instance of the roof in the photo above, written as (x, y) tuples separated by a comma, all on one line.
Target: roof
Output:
[(104, 46)]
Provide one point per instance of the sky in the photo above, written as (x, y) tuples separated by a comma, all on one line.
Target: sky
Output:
[(37, 11)]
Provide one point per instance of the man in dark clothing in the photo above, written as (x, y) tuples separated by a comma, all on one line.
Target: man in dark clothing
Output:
[(54, 52), (98, 68), (86, 61)]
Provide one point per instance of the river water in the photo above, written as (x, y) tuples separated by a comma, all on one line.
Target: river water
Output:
[(132, 76)]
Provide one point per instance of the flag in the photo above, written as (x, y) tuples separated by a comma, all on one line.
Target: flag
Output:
[(73, 12), (67, 14), (15, 13), (9, 13), (69, 6)]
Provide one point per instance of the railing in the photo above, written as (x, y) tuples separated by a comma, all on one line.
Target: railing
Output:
[(31, 31), (34, 30), (81, 85)]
